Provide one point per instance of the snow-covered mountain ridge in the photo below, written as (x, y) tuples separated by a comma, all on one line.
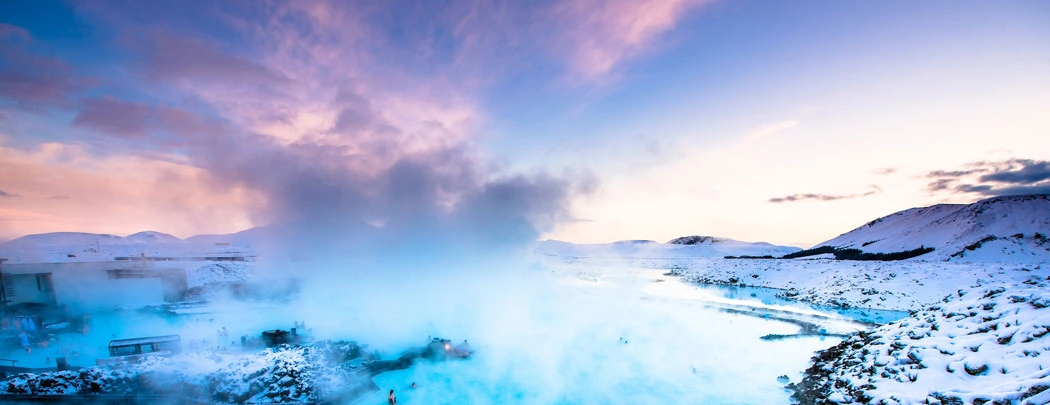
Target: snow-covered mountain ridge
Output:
[(58, 247), (1008, 228), (684, 247)]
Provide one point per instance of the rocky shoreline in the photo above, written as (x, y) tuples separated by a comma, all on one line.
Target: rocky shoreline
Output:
[(979, 346)]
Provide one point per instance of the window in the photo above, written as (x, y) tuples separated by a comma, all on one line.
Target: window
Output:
[(43, 282)]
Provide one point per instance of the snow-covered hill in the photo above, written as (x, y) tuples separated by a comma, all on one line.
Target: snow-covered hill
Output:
[(685, 247), (247, 237), (1003, 229), (981, 345), (152, 237), (58, 247)]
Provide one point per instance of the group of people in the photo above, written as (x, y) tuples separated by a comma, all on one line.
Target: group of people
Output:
[(27, 331)]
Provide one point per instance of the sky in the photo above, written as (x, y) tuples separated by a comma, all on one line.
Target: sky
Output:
[(581, 120)]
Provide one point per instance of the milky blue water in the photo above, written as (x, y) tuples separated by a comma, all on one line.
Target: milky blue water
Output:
[(566, 349)]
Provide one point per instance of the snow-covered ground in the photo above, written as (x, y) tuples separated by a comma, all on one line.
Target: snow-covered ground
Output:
[(971, 347), (981, 345), (900, 285)]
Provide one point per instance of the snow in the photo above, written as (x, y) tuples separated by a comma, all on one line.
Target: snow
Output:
[(1020, 225), (280, 375), (677, 248), (899, 285), (219, 273), (152, 237), (979, 345), (65, 247)]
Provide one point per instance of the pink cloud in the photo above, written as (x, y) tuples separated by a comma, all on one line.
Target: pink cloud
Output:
[(348, 135), (599, 35)]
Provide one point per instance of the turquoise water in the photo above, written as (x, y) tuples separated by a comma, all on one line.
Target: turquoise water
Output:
[(566, 348), (768, 296)]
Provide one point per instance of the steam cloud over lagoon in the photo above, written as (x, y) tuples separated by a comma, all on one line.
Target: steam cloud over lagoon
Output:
[(389, 242)]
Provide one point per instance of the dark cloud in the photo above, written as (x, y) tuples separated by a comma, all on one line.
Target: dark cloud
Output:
[(148, 126), (824, 197), (169, 57), (940, 184), (1007, 177), (1021, 172), (59, 197), (953, 173), (359, 117), (359, 201), (30, 77), (1042, 188), (971, 188), (6, 194), (885, 171), (119, 118)]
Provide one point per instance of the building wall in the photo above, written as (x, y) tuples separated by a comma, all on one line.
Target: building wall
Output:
[(88, 286), (36, 288)]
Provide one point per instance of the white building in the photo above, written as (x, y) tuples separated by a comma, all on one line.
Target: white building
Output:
[(92, 285)]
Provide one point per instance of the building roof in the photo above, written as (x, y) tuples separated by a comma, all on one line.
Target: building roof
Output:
[(142, 340)]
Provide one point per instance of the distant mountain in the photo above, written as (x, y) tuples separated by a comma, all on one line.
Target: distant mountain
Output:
[(152, 237), (1008, 228), (250, 237), (65, 238), (696, 240), (77, 246), (635, 242), (685, 247)]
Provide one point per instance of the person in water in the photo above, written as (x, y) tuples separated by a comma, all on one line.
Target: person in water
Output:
[(413, 384), (391, 399)]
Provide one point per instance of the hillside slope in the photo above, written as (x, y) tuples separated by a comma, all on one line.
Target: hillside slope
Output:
[(1008, 228)]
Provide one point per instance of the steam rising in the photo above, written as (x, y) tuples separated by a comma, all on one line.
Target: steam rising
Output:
[(388, 231)]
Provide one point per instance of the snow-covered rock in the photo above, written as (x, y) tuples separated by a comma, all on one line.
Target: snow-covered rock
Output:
[(980, 345), (219, 273), (1005, 229), (287, 374)]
